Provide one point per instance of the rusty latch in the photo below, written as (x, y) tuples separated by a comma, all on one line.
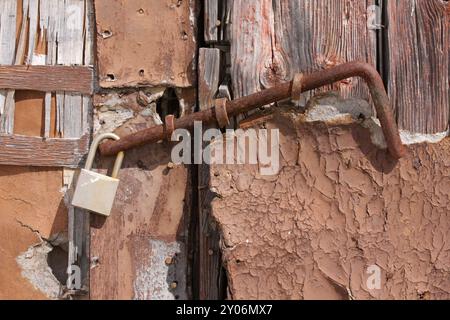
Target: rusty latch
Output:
[(301, 83)]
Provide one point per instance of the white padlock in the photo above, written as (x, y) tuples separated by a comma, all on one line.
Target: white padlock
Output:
[(94, 191)]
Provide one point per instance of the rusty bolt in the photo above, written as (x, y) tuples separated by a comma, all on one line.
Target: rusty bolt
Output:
[(169, 261)]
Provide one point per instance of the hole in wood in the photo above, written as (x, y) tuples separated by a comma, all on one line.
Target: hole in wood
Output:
[(106, 34), (110, 77), (168, 104)]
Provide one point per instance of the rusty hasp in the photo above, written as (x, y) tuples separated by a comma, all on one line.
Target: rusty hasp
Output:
[(301, 83)]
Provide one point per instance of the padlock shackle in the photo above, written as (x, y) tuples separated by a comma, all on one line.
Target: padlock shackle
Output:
[(93, 151)]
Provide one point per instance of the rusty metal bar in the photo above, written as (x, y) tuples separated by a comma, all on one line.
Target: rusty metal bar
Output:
[(277, 93)]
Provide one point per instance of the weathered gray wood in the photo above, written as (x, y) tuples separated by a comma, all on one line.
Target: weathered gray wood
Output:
[(47, 78), (272, 40), (418, 57), (35, 151), (209, 73), (47, 26), (82, 217), (209, 256), (76, 49), (8, 16), (7, 118), (211, 19)]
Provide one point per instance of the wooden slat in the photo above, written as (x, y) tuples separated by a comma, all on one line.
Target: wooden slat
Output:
[(209, 71), (35, 151), (8, 16), (418, 70), (209, 257), (211, 17), (47, 78)]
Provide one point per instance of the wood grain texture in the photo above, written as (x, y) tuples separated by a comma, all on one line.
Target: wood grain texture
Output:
[(163, 29), (211, 285), (8, 16), (273, 40), (47, 78), (209, 76), (209, 256), (418, 39), (211, 17), (41, 152)]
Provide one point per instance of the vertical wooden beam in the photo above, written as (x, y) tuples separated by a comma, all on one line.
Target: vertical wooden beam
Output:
[(8, 16), (211, 17), (209, 72), (47, 26), (418, 40), (70, 52), (209, 254)]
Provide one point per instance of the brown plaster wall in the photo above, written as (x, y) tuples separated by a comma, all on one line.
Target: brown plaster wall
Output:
[(31, 208), (337, 206)]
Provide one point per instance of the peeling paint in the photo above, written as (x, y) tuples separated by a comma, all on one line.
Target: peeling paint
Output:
[(331, 108), (35, 268), (407, 137), (108, 121), (157, 280)]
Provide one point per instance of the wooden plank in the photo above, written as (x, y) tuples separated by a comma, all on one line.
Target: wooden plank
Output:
[(418, 70), (272, 40), (8, 16), (75, 43), (47, 27), (70, 52), (47, 78), (209, 256), (35, 151), (163, 29), (209, 71), (225, 20), (7, 117), (210, 277), (211, 19)]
